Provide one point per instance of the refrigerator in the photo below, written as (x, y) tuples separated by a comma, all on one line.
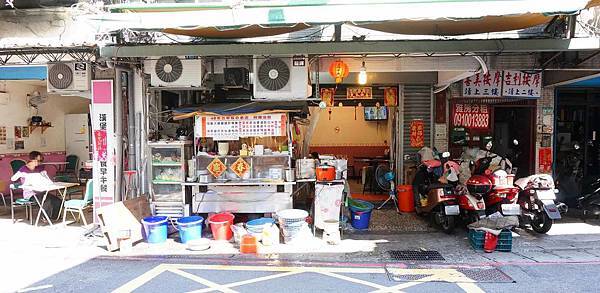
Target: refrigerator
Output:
[(77, 137)]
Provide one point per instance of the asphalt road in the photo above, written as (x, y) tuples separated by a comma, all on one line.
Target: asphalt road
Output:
[(185, 274)]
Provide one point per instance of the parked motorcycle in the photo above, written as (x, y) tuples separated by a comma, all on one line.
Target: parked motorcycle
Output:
[(471, 205), (434, 197), (589, 202), (537, 199), (494, 184)]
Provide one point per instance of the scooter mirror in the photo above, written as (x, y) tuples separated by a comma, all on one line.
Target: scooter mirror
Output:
[(515, 142), (489, 145), (446, 155)]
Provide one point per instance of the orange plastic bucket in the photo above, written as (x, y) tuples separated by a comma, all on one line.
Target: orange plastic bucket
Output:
[(220, 226), (406, 200), (248, 244)]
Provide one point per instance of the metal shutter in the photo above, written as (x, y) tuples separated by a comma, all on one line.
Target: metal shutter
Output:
[(417, 104)]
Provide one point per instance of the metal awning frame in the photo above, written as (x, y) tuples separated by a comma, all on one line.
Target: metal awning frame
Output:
[(393, 48), (32, 54)]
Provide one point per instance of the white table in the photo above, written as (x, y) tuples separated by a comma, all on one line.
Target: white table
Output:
[(60, 187)]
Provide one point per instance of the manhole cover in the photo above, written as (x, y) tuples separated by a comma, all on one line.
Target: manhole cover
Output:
[(415, 255), (446, 273), (486, 275)]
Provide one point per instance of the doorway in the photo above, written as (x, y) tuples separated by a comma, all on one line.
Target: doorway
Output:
[(577, 141), (513, 136)]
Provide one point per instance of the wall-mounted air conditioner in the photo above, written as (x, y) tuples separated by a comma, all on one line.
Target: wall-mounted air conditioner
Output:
[(68, 77), (281, 78), (173, 71)]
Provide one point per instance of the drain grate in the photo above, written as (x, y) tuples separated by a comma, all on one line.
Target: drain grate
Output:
[(419, 272), (486, 275), (415, 255)]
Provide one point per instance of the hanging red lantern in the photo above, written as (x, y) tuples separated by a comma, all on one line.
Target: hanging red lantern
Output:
[(338, 70)]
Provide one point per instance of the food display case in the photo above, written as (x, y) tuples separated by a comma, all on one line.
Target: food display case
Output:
[(167, 172), (243, 164)]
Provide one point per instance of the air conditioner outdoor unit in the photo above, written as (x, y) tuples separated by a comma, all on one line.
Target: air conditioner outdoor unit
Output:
[(281, 78), (236, 78), (173, 71), (68, 77)]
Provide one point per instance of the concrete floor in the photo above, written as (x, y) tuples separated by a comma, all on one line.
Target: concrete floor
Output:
[(62, 258)]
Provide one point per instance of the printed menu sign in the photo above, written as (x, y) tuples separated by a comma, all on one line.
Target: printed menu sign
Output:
[(234, 127)]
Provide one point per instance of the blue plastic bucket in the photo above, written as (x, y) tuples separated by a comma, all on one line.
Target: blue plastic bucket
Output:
[(359, 217), (257, 225), (155, 229), (190, 228)]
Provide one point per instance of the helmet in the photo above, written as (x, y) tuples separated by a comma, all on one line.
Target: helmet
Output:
[(479, 184)]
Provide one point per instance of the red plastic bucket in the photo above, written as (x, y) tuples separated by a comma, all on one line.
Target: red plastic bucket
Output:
[(220, 225), (406, 199)]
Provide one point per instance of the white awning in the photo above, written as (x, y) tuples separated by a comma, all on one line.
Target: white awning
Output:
[(256, 18)]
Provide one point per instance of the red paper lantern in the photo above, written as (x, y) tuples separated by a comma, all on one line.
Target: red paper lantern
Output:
[(338, 70)]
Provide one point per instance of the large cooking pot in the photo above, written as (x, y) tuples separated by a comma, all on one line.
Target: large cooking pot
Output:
[(325, 173)]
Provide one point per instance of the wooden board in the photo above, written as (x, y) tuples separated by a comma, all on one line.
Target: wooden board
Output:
[(125, 215)]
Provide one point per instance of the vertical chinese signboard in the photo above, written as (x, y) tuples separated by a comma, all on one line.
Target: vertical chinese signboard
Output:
[(103, 144), (483, 84), (522, 84)]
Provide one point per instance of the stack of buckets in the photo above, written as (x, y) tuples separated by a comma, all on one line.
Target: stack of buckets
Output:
[(220, 226), (360, 214), (190, 228), (291, 222), (155, 228), (256, 227)]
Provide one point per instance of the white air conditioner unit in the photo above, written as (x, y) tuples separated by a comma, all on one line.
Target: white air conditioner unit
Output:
[(68, 77), (281, 78), (173, 71)]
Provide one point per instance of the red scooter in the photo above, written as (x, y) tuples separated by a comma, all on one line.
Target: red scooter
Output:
[(471, 205), (496, 187)]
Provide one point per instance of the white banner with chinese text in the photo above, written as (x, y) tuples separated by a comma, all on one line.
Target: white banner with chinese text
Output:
[(483, 84), (522, 84), (103, 144)]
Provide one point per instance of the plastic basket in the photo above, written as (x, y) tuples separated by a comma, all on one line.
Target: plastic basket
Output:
[(477, 238)]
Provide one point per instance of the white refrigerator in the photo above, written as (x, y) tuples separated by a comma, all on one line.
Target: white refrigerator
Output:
[(77, 137)]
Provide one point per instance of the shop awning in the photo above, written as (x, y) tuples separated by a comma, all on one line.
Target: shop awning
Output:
[(264, 18), (242, 108)]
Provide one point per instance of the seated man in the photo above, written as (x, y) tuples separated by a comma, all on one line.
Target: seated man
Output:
[(33, 166)]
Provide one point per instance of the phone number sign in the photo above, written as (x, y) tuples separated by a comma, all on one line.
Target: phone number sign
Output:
[(473, 116)]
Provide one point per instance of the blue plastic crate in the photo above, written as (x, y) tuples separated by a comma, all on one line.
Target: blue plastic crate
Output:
[(477, 238)]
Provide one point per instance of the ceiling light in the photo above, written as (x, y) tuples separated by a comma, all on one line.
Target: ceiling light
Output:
[(362, 75)]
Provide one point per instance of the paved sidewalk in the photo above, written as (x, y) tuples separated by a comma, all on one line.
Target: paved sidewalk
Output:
[(36, 253)]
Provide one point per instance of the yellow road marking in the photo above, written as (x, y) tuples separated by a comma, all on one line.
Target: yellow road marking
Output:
[(277, 268), (446, 275), (398, 287), (250, 281), (142, 279), (353, 280), (211, 285)]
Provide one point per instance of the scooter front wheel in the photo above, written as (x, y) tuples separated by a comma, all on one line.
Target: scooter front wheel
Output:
[(445, 222), (541, 223)]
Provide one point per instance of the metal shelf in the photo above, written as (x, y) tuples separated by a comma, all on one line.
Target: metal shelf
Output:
[(166, 164), (165, 182)]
